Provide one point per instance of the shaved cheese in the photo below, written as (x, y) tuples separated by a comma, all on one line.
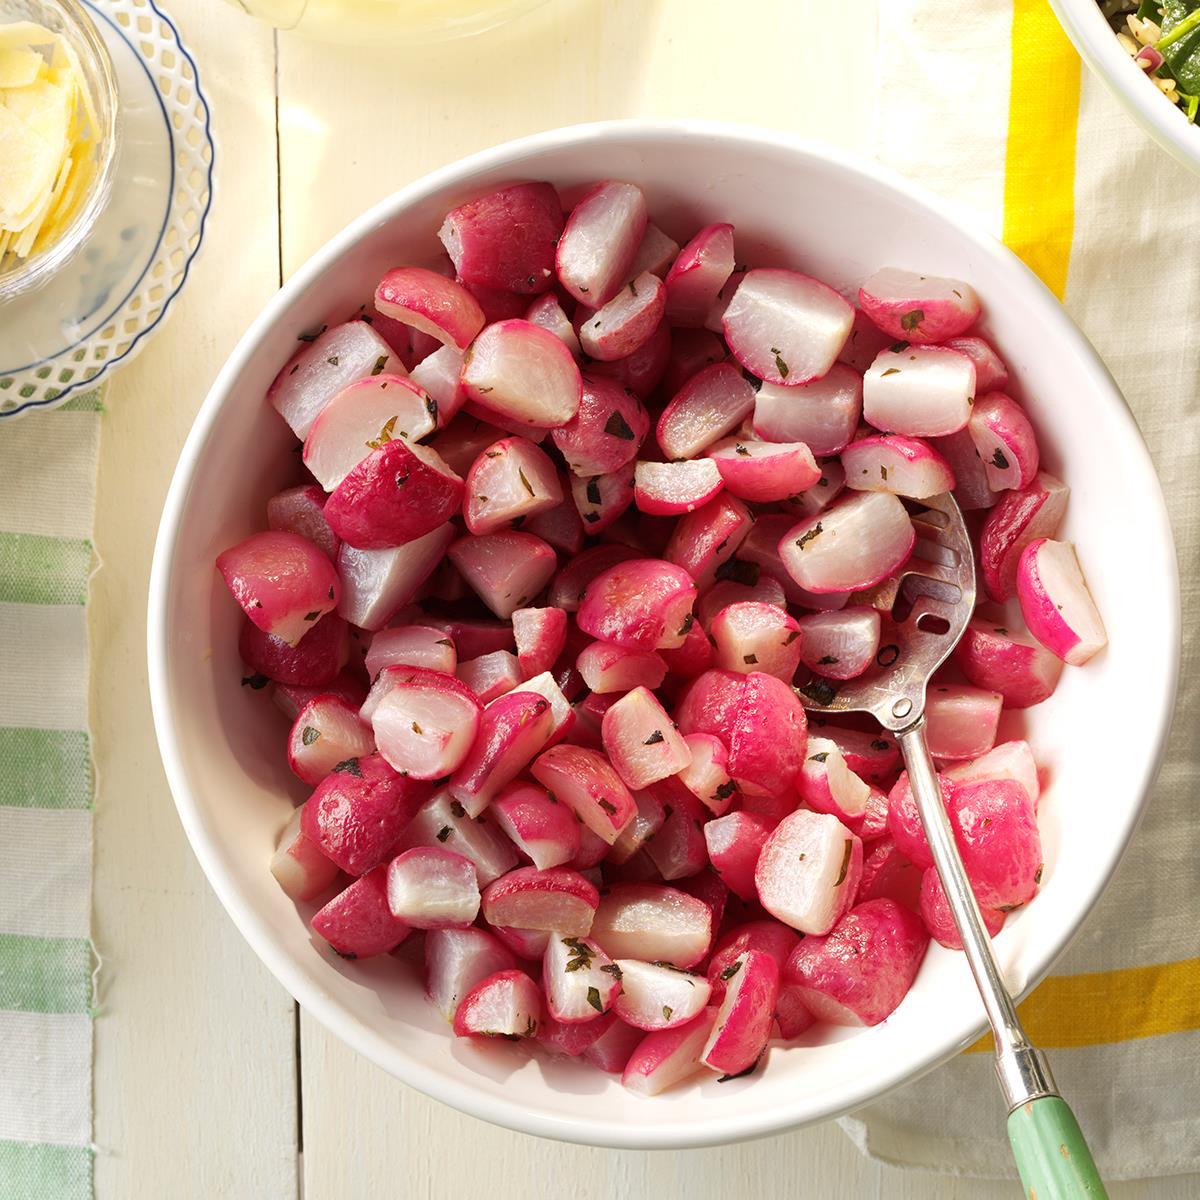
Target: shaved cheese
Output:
[(19, 66)]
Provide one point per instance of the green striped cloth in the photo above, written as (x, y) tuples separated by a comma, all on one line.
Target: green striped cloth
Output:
[(47, 493)]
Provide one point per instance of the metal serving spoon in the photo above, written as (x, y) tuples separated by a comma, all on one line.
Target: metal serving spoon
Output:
[(931, 604)]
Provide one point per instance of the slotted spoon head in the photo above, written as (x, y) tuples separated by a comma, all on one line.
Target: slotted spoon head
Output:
[(925, 611)]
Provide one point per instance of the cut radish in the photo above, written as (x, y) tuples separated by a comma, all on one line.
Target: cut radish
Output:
[(827, 785), (601, 499), (712, 403), (653, 923), (735, 842), (579, 979), (706, 775), (571, 583), (693, 657), (703, 541), (656, 252), (456, 960), (698, 274), (743, 1024), (971, 487), (510, 480), (865, 341), (691, 351), (840, 645), (1017, 519), (301, 510), (939, 917), (291, 698), (670, 489), (314, 660), (1005, 441), (426, 723), (668, 1056), (904, 819), (641, 741), (887, 874), (541, 828), (1056, 603), (507, 1004), (357, 922), (439, 377), (563, 717), (961, 722), (299, 865), (575, 1040), (627, 321), (433, 888), (607, 668), (614, 1047), (677, 850), (411, 646), (326, 732), (766, 936), (647, 821), (541, 634), (642, 604), (547, 312), (506, 570), (474, 637), (822, 493), (642, 371), (464, 441), (921, 308), (606, 431), (654, 996), (752, 636), (990, 372), (1010, 760), (491, 676), (600, 242), (786, 327), (376, 584), (443, 822), (764, 590), (555, 899), (921, 391), (431, 303), (1002, 660), (586, 783), (560, 526), (904, 466), (765, 471)]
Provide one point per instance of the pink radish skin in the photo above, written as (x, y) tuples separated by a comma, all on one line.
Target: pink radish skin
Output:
[(939, 920), (506, 239), (1010, 760), (647, 820), (522, 373), (904, 466), (677, 850), (827, 785), (854, 544), (704, 540), (698, 274), (865, 341), (743, 1024), (601, 499), (785, 327), (326, 732), (705, 775), (971, 487), (712, 403), (562, 715), (540, 634), (607, 668), (653, 923), (764, 471), (512, 730), (410, 344), (872, 756), (625, 324), (561, 526), (918, 308), (656, 252), (653, 997), (291, 698), (580, 981), (605, 433), (322, 367), (586, 783), (708, 887), (301, 510), (433, 888), (766, 936), (357, 922), (574, 1040), (613, 1048), (456, 960), (822, 414), (693, 657), (997, 835), (888, 875), (506, 570), (397, 494), (734, 843), (904, 819), (542, 829), (357, 815), (667, 1057), (727, 592), (860, 972), (592, 851), (443, 822), (691, 351), (600, 241), (1017, 519), (426, 723), (556, 899), (642, 604), (1055, 601), (298, 864), (990, 372), (284, 583), (961, 721), (752, 636), (360, 418), (411, 646), (314, 661), (998, 659), (376, 584), (840, 645), (474, 638), (511, 479), (674, 488), (431, 303), (507, 1004), (527, 944), (1005, 441), (919, 391), (464, 441), (643, 370), (808, 872), (438, 376), (547, 312)]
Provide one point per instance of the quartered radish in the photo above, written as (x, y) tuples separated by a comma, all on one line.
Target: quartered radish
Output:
[(605, 432), (642, 371), (671, 489), (641, 604), (442, 821), (411, 646), (786, 327), (575, 1040), (511, 479), (570, 584), (641, 741), (432, 887), (714, 321), (995, 828), (601, 241), (693, 657), (555, 899), (654, 923), (743, 1025), (456, 960), (766, 936), (865, 341), (904, 819), (734, 843), (971, 487), (541, 828), (474, 637), (842, 644), (431, 303), (712, 403), (464, 441), (627, 321), (314, 660), (704, 540), (759, 553), (1055, 601), (1004, 660), (939, 919), (654, 996), (607, 668), (326, 731), (506, 570), (439, 377), (507, 1004), (586, 783), (426, 723), (656, 252), (1005, 441), (961, 721), (677, 850), (764, 471), (904, 466), (299, 865), (614, 1047), (706, 775), (540, 634), (822, 493), (764, 590), (601, 499), (547, 312), (647, 821), (919, 308), (301, 510), (752, 636), (357, 922), (921, 391), (1010, 760), (827, 785), (822, 414), (562, 716), (579, 979), (668, 1056), (698, 274), (1017, 519), (990, 372)]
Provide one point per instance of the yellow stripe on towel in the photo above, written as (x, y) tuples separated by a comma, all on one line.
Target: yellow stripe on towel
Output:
[(1043, 114)]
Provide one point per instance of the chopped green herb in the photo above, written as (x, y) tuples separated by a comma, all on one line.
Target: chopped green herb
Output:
[(898, 347), (750, 659), (348, 766), (820, 757), (457, 809), (890, 371), (827, 660), (593, 491), (591, 517), (444, 833), (731, 970), (309, 735), (814, 532), (618, 427), (780, 365), (912, 319), (740, 449), (1001, 630), (667, 1011), (740, 1074), (255, 682), (654, 738), (444, 642), (727, 789), (739, 571), (593, 998), (819, 691), (846, 852), (613, 970), (417, 729), (524, 481), (880, 744), (608, 807), (883, 472), (1037, 876), (312, 616), (385, 434), (380, 363), (998, 459), (791, 637), (332, 360)]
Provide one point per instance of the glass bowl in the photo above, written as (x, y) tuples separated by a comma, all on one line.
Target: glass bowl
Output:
[(70, 20)]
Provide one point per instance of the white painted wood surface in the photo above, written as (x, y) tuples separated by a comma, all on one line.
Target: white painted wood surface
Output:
[(202, 1086)]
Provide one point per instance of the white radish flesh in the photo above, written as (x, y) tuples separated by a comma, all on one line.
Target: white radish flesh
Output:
[(541, 828), (411, 646), (327, 731), (301, 510), (510, 480), (625, 324), (506, 570), (579, 979), (547, 312), (608, 668), (561, 714), (442, 821), (668, 1056), (426, 723), (706, 775), (904, 466), (840, 645), (601, 499), (1010, 760), (712, 403), (656, 252), (960, 721), (698, 274), (919, 308), (647, 821), (739, 1035), (540, 634), (431, 303), (653, 923), (764, 471), (1005, 441), (456, 960), (990, 372), (752, 636), (600, 242), (299, 865), (1004, 660), (822, 493), (971, 487), (1055, 601), (734, 843), (641, 741), (827, 785), (822, 414), (723, 593), (556, 899), (433, 888), (671, 489), (439, 377), (658, 997), (921, 391), (507, 1004)]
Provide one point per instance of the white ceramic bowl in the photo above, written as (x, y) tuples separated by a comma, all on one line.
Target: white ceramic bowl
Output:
[(794, 203), (1093, 37)]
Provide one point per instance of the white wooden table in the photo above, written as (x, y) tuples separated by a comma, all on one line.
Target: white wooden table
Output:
[(209, 1082)]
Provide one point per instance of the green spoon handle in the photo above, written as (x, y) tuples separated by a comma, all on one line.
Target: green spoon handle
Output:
[(1054, 1160)]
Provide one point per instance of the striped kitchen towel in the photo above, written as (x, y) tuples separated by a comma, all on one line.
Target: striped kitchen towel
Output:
[(47, 493), (987, 104)]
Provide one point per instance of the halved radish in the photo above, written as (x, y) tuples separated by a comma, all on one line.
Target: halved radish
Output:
[(614, 1047), (961, 721), (904, 818), (642, 604), (704, 540), (397, 494), (411, 646), (290, 698), (995, 828), (904, 466), (677, 850), (538, 825), (570, 584), (556, 899), (546, 686), (541, 634), (522, 373), (357, 922), (1005, 440), (301, 510), (712, 403), (299, 865), (439, 377), (654, 996), (641, 741), (743, 1024), (734, 843), (706, 775), (506, 570), (714, 321), (827, 785), (670, 489), (668, 1056), (512, 730), (547, 312), (561, 526), (693, 657), (456, 960), (1010, 760), (1004, 660), (752, 636), (586, 783), (507, 1005), (853, 544), (606, 667), (653, 923), (511, 479), (759, 552), (822, 493), (473, 636), (990, 372), (922, 391), (426, 723), (971, 487), (327, 731), (464, 441), (579, 979), (691, 351), (873, 756), (764, 471), (642, 371), (431, 303), (1056, 603), (786, 327), (767, 936), (432, 887), (647, 821), (1017, 519), (822, 414), (284, 583), (313, 661), (921, 308), (626, 322), (442, 821), (606, 431), (939, 917), (600, 241), (656, 252), (840, 645), (320, 369), (726, 591), (865, 341), (506, 239), (698, 274)]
